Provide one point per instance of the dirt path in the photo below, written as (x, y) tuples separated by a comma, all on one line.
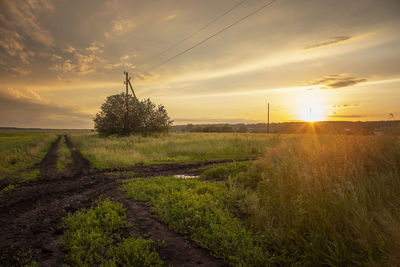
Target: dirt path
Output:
[(30, 215), (48, 164)]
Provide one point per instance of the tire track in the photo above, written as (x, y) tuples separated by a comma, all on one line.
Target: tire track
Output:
[(30, 215)]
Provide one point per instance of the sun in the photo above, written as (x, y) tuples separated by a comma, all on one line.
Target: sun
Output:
[(310, 108), (312, 114)]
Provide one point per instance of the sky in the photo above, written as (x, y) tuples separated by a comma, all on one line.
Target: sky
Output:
[(310, 59)]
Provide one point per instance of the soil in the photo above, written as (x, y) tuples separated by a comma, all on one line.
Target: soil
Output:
[(30, 215)]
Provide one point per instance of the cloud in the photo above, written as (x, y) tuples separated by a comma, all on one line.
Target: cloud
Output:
[(337, 81), (336, 40), (79, 62), (24, 107), (171, 17), (120, 26), (341, 106), (20, 71), (124, 57), (20, 28)]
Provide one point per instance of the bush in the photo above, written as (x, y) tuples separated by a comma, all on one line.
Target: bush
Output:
[(124, 115)]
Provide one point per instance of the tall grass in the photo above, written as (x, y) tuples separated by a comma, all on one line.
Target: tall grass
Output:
[(112, 152), (329, 200)]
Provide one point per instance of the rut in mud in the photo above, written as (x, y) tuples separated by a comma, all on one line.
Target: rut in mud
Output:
[(30, 215)]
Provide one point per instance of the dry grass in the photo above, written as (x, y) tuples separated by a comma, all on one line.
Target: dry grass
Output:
[(327, 200)]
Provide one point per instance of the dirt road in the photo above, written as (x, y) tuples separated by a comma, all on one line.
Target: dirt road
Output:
[(30, 215)]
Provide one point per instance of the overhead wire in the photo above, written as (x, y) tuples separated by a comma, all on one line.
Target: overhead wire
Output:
[(194, 33), (213, 35)]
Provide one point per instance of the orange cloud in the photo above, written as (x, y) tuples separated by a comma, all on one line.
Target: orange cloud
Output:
[(337, 81)]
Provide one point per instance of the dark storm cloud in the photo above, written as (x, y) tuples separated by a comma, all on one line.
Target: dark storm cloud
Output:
[(335, 40), (337, 81)]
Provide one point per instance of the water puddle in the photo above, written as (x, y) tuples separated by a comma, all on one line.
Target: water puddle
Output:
[(183, 176)]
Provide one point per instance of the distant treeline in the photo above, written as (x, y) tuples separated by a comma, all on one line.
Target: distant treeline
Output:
[(323, 127)]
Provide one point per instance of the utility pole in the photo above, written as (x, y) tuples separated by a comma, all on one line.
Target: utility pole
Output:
[(126, 130), (268, 120), (127, 83)]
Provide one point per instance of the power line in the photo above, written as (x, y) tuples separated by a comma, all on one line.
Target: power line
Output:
[(215, 34), (194, 33)]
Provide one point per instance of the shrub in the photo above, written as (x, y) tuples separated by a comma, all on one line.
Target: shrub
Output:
[(124, 115)]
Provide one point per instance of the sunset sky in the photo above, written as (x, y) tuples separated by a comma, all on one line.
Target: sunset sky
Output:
[(60, 59)]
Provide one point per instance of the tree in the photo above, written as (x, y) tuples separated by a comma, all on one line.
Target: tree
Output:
[(124, 115)]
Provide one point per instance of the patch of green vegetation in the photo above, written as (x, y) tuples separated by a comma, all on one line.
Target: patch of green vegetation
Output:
[(222, 172), (64, 157), (20, 152), (203, 211), (18, 258), (118, 152), (22, 149), (94, 238)]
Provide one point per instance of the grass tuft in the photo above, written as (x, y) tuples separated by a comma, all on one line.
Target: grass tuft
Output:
[(94, 238)]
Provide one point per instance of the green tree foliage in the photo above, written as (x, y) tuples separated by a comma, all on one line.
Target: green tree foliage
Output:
[(124, 115)]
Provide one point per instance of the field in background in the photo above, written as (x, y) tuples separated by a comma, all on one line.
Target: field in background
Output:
[(20, 150), (114, 152)]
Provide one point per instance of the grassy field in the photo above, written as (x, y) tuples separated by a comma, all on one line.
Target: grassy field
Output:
[(94, 238), (113, 152), (313, 200), (327, 200), (20, 151)]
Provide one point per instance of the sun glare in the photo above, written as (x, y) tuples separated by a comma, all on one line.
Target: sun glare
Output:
[(311, 109)]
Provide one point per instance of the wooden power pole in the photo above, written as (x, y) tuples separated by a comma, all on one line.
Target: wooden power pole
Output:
[(127, 83), (268, 120)]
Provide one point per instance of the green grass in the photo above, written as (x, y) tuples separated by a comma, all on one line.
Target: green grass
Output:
[(224, 171), (310, 200), (94, 238), (203, 211), (20, 151), (64, 157), (115, 152)]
